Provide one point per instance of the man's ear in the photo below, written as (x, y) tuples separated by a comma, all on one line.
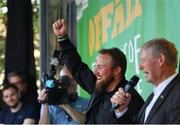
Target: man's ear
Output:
[(161, 59), (117, 70)]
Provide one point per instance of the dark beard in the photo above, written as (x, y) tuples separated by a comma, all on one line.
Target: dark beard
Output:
[(100, 87)]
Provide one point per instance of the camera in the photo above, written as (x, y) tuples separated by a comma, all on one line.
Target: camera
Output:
[(57, 90)]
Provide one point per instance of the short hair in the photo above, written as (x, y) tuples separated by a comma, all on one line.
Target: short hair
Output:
[(13, 74), (7, 86), (163, 46), (118, 58)]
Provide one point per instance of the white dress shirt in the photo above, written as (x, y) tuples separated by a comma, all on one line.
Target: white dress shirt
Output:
[(157, 92)]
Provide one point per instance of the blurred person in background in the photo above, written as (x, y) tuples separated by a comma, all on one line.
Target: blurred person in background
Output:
[(20, 81), (16, 112)]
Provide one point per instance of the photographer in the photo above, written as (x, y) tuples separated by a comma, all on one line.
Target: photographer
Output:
[(71, 113)]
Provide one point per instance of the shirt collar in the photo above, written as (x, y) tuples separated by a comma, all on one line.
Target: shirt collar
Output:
[(158, 90)]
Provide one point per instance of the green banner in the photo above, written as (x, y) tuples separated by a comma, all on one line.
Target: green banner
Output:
[(126, 24)]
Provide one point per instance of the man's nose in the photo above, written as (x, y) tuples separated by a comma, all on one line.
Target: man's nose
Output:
[(96, 72)]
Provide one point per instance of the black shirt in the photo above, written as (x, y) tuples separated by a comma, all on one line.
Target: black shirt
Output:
[(26, 111), (99, 110)]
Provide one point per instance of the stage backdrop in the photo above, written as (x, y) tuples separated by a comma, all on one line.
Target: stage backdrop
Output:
[(126, 24)]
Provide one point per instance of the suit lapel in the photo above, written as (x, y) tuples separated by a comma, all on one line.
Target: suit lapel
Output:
[(162, 97), (141, 114)]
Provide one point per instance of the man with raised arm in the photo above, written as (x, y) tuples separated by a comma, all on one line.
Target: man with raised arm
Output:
[(108, 76)]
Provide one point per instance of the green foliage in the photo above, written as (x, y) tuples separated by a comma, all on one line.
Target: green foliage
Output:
[(3, 21)]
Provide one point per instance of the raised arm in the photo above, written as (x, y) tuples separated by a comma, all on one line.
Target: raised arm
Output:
[(60, 28), (70, 57)]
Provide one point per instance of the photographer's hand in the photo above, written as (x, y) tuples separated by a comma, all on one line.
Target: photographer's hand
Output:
[(77, 116), (59, 27), (44, 116), (42, 98)]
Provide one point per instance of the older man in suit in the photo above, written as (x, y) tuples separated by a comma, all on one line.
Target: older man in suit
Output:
[(159, 59)]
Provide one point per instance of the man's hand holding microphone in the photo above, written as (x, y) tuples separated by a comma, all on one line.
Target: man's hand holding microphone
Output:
[(122, 98)]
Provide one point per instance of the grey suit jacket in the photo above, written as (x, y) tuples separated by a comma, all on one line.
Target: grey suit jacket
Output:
[(167, 107)]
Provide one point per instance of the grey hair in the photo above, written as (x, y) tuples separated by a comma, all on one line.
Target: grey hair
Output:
[(162, 46)]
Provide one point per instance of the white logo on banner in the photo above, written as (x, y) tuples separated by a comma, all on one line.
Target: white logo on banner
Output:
[(81, 5)]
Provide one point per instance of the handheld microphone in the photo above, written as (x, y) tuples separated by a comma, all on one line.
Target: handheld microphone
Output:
[(132, 83)]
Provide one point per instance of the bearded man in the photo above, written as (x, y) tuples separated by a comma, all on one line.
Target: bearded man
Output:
[(108, 76)]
